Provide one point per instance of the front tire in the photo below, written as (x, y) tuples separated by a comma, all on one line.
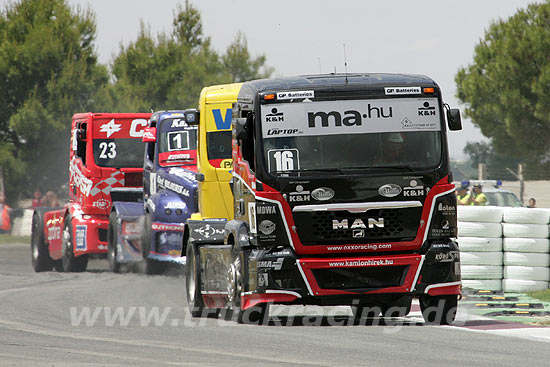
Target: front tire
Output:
[(69, 261), (193, 281), (114, 265), (40, 255), (439, 310), (257, 314)]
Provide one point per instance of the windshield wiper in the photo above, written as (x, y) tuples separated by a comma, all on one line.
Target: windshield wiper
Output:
[(313, 170), (396, 166)]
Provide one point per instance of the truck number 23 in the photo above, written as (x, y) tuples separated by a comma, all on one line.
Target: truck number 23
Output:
[(108, 150)]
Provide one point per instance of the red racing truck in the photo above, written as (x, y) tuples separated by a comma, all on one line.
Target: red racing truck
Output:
[(106, 152)]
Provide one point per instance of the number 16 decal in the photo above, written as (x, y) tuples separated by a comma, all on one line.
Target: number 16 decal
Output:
[(281, 160)]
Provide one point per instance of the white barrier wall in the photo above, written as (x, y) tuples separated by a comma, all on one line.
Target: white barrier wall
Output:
[(504, 248)]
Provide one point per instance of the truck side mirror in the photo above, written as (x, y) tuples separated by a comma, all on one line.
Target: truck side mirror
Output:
[(453, 119), (191, 117), (241, 128), (149, 135)]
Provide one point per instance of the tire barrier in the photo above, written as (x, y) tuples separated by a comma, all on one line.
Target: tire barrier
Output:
[(526, 215), (487, 284), (484, 272), (480, 244), (519, 286), (504, 248), (481, 258), (541, 245), (522, 230), (479, 229), (526, 259), (527, 273), (488, 214)]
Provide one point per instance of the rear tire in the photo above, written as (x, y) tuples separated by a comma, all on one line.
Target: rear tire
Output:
[(193, 281), (69, 261), (439, 310), (40, 255), (150, 266), (114, 265)]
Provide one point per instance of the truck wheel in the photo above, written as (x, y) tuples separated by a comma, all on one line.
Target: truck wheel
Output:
[(257, 314), (70, 262), (399, 308), (193, 281), (365, 311), (40, 255), (114, 265), (150, 266), (440, 310)]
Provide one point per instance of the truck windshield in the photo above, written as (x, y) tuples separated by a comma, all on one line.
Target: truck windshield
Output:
[(118, 153), (348, 136), (177, 143)]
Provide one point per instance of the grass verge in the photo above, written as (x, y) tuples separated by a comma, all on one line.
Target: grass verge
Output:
[(541, 295)]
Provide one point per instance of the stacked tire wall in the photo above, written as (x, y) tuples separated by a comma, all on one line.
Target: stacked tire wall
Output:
[(504, 248), (480, 243), (526, 249)]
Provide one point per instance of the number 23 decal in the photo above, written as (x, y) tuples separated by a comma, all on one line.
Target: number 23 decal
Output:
[(107, 150)]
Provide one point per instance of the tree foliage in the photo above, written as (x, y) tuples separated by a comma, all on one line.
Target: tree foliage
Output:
[(168, 71), (498, 165), (49, 71), (507, 87)]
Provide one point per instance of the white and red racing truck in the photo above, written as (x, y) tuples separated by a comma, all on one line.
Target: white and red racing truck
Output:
[(106, 153)]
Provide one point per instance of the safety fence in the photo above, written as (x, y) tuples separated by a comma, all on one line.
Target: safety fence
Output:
[(504, 248)]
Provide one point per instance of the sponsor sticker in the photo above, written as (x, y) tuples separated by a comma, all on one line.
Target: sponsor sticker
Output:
[(208, 231), (80, 237), (296, 94), (402, 90), (252, 217), (299, 195), (322, 194), (389, 190), (267, 227)]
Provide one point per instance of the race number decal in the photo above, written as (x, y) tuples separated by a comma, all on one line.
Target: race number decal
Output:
[(178, 140), (107, 150), (281, 160)]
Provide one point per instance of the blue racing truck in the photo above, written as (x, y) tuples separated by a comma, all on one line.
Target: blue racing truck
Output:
[(146, 224)]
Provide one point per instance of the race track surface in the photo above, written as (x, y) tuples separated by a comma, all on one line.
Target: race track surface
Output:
[(99, 318)]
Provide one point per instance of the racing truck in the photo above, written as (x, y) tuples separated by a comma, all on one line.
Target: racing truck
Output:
[(150, 231), (106, 153), (339, 193)]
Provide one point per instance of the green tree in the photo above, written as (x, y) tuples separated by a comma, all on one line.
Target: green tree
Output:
[(49, 71), (498, 165), (241, 65), (168, 71), (506, 89)]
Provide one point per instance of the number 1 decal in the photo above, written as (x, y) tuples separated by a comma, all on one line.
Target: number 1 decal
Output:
[(281, 160)]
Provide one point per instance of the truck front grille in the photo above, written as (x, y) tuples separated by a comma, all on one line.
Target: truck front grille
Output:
[(361, 277), (317, 228)]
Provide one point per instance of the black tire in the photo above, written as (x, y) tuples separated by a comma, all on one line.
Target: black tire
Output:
[(439, 310), (399, 308), (69, 261), (112, 236), (256, 315), (193, 281), (365, 311), (150, 266), (40, 255)]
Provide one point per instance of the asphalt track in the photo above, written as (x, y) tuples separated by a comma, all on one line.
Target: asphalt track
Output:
[(43, 323)]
